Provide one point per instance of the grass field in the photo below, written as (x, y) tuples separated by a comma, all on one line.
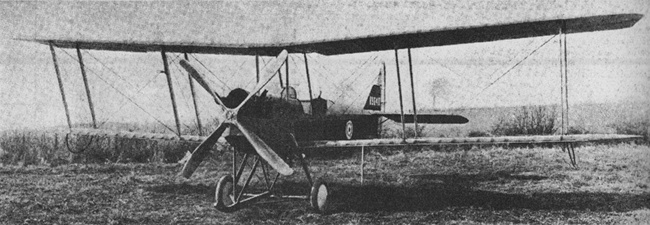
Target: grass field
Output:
[(402, 186), (132, 181)]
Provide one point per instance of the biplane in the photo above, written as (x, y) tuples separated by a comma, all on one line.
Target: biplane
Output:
[(269, 130)]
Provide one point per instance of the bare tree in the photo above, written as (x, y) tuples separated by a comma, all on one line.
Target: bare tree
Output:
[(437, 88)]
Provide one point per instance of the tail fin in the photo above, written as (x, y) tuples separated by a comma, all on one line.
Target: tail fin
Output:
[(374, 99)]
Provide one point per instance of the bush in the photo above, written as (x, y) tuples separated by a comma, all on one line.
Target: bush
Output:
[(478, 133), (528, 120), (396, 131), (577, 130), (636, 127)]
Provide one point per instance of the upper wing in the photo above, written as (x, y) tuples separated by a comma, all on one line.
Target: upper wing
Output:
[(469, 140), (439, 36)]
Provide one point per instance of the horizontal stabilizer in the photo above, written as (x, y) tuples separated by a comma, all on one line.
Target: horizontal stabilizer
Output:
[(427, 118)]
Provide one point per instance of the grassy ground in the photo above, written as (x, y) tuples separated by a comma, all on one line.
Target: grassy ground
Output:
[(489, 185)]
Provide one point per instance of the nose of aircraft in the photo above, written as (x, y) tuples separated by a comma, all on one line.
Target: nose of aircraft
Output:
[(234, 98)]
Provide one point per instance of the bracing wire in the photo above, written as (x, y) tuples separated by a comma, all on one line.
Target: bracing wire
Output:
[(184, 96), (117, 74), (371, 58), (178, 83), (121, 93), (210, 71), (359, 96), (356, 76), (107, 67), (512, 67), (467, 79), (517, 64), (318, 74), (138, 89), (354, 72)]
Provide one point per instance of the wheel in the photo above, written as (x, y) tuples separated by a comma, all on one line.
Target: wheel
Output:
[(349, 130), (223, 195), (318, 196), (76, 147)]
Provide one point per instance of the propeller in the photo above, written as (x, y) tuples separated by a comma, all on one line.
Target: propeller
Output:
[(201, 151), (229, 119), (199, 78)]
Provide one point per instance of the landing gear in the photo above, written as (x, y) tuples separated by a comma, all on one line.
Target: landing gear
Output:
[(233, 191), (72, 142), (224, 196), (228, 196), (349, 130), (318, 196)]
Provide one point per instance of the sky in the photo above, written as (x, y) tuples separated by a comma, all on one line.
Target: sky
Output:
[(603, 67)]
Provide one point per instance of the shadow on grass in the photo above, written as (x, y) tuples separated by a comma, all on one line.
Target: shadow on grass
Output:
[(183, 189), (436, 196), (426, 195), (464, 178)]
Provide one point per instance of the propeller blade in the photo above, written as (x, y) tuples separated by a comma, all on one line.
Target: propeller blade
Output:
[(201, 80), (265, 151), (201, 151), (270, 70)]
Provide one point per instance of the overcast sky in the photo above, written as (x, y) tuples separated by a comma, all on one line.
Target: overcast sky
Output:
[(609, 66)]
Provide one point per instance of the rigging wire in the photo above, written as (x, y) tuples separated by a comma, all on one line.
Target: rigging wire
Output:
[(117, 74), (512, 67), (320, 74), (119, 92), (238, 70), (360, 96), (214, 75), (517, 64), (469, 80), (105, 66), (184, 96), (371, 58), (356, 76), (138, 89), (339, 85), (210, 71), (530, 43)]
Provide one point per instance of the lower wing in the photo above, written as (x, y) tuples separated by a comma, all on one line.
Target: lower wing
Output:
[(469, 140)]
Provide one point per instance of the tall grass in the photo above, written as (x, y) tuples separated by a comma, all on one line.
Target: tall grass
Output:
[(54, 147), (28, 147)]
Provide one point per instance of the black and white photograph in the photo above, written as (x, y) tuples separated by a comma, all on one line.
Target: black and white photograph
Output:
[(325, 112)]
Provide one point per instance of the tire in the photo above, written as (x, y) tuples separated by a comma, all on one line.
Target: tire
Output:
[(349, 130), (223, 196), (318, 196)]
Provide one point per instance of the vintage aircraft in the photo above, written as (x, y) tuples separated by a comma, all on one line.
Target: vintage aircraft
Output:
[(272, 129)]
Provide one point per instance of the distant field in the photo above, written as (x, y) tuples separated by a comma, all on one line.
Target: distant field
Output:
[(591, 117), (416, 186)]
